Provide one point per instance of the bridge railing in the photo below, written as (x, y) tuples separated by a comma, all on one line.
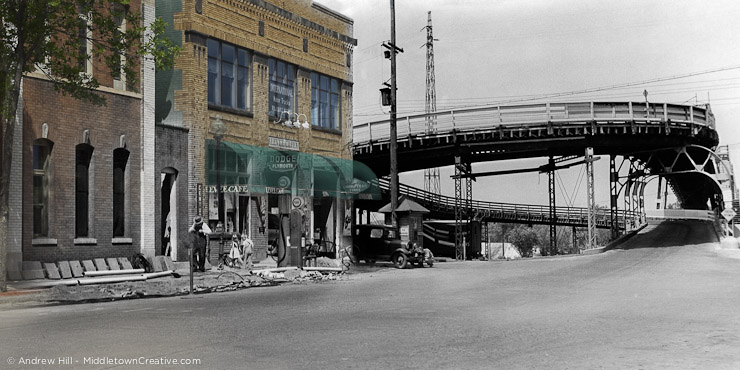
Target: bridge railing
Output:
[(508, 211), (565, 113)]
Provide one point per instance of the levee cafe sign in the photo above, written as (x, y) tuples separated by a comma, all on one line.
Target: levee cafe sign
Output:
[(285, 144)]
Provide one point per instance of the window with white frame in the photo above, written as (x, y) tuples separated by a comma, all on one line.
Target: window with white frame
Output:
[(84, 35), (229, 78), (325, 107), (119, 74), (282, 88)]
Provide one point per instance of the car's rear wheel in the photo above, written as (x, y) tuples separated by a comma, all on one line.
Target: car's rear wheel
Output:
[(400, 260)]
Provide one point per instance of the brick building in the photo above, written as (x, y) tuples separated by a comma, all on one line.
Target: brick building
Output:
[(278, 77), (78, 169)]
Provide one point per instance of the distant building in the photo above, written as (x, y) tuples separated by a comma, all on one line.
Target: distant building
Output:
[(278, 76), (78, 169)]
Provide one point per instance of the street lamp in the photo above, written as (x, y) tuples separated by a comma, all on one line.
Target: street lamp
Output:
[(218, 129)]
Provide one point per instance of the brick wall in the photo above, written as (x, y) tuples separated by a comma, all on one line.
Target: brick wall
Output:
[(67, 118), (172, 152), (148, 170)]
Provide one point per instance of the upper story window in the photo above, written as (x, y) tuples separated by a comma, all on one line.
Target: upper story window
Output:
[(325, 108), (84, 35), (282, 91), (229, 78), (119, 73)]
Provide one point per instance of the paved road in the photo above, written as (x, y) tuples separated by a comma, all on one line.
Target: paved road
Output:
[(665, 301)]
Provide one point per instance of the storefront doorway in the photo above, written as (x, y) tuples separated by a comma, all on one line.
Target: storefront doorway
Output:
[(168, 213)]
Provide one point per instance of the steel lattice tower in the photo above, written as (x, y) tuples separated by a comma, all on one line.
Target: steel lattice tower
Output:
[(431, 175)]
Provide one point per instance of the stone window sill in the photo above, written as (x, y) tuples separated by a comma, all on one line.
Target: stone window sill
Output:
[(44, 242), (85, 241), (122, 241)]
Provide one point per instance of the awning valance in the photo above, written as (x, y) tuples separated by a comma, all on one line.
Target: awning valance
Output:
[(256, 169)]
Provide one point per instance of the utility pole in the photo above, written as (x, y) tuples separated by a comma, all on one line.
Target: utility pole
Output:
[(394, 134), (431, 175), (388, 95)]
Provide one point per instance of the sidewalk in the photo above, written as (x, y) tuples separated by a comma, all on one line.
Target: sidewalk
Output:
[(30, 293)]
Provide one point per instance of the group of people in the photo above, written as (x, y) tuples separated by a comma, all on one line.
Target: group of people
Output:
[(239, 255)]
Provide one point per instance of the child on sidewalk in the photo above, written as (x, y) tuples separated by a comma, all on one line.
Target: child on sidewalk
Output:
[(247, 250), (235, 253)]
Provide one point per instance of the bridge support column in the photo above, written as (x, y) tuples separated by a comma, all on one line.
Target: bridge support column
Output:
[(459, 247), (551, 189), (614, 199), (469, 212), (629, 214), (591, 198), (641, 199), (575, 241)]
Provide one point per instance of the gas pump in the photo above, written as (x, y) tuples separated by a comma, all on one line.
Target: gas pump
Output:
[(290, 239)]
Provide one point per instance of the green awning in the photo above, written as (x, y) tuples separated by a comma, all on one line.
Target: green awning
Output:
[(247, 168)]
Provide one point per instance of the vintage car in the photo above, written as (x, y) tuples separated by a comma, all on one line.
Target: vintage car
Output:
[(372, 243)]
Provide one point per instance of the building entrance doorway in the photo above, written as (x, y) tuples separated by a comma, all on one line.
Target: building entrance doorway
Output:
[(168, 214)]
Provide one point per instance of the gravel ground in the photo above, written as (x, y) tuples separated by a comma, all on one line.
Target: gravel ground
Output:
[(213, 280)]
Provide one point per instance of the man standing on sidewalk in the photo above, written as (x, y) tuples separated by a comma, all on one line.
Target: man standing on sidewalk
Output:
[(199, 234)]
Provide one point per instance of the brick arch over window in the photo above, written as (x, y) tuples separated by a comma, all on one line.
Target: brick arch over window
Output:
[(83, 157), (40, 163), (120, 161)]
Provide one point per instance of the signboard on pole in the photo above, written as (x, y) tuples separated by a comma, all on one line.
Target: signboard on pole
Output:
[(728, 214)]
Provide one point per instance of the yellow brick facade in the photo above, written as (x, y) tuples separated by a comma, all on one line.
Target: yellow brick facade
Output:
[(288, 26)]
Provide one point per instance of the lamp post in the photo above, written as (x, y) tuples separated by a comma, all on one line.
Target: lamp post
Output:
[(218, 129)]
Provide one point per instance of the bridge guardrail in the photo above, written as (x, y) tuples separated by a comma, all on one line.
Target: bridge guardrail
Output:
[(510, 211), (565, 113)]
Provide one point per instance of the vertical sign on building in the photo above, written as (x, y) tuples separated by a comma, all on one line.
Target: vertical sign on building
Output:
[(199, 198)]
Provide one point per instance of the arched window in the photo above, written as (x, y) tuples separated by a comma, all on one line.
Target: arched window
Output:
[(83, 155), (120, 159), (41, 158)]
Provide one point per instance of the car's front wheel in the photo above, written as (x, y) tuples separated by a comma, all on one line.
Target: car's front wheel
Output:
[(400, 260)]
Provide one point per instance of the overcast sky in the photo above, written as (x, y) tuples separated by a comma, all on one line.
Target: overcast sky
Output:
[(494, 51)]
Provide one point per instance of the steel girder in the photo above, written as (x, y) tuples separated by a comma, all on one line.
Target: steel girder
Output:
[(693, 173)]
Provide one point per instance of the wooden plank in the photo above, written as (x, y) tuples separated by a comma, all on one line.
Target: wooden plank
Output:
[(113, 264), (77, 270), (169, 265), (65, 269), (51, 271), (32, 270), (88, 265), (100, 264), (157, 263), (125, 263)]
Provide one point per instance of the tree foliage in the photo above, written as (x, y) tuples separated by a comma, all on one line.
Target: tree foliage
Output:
[(59, 38), (524, 239)]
